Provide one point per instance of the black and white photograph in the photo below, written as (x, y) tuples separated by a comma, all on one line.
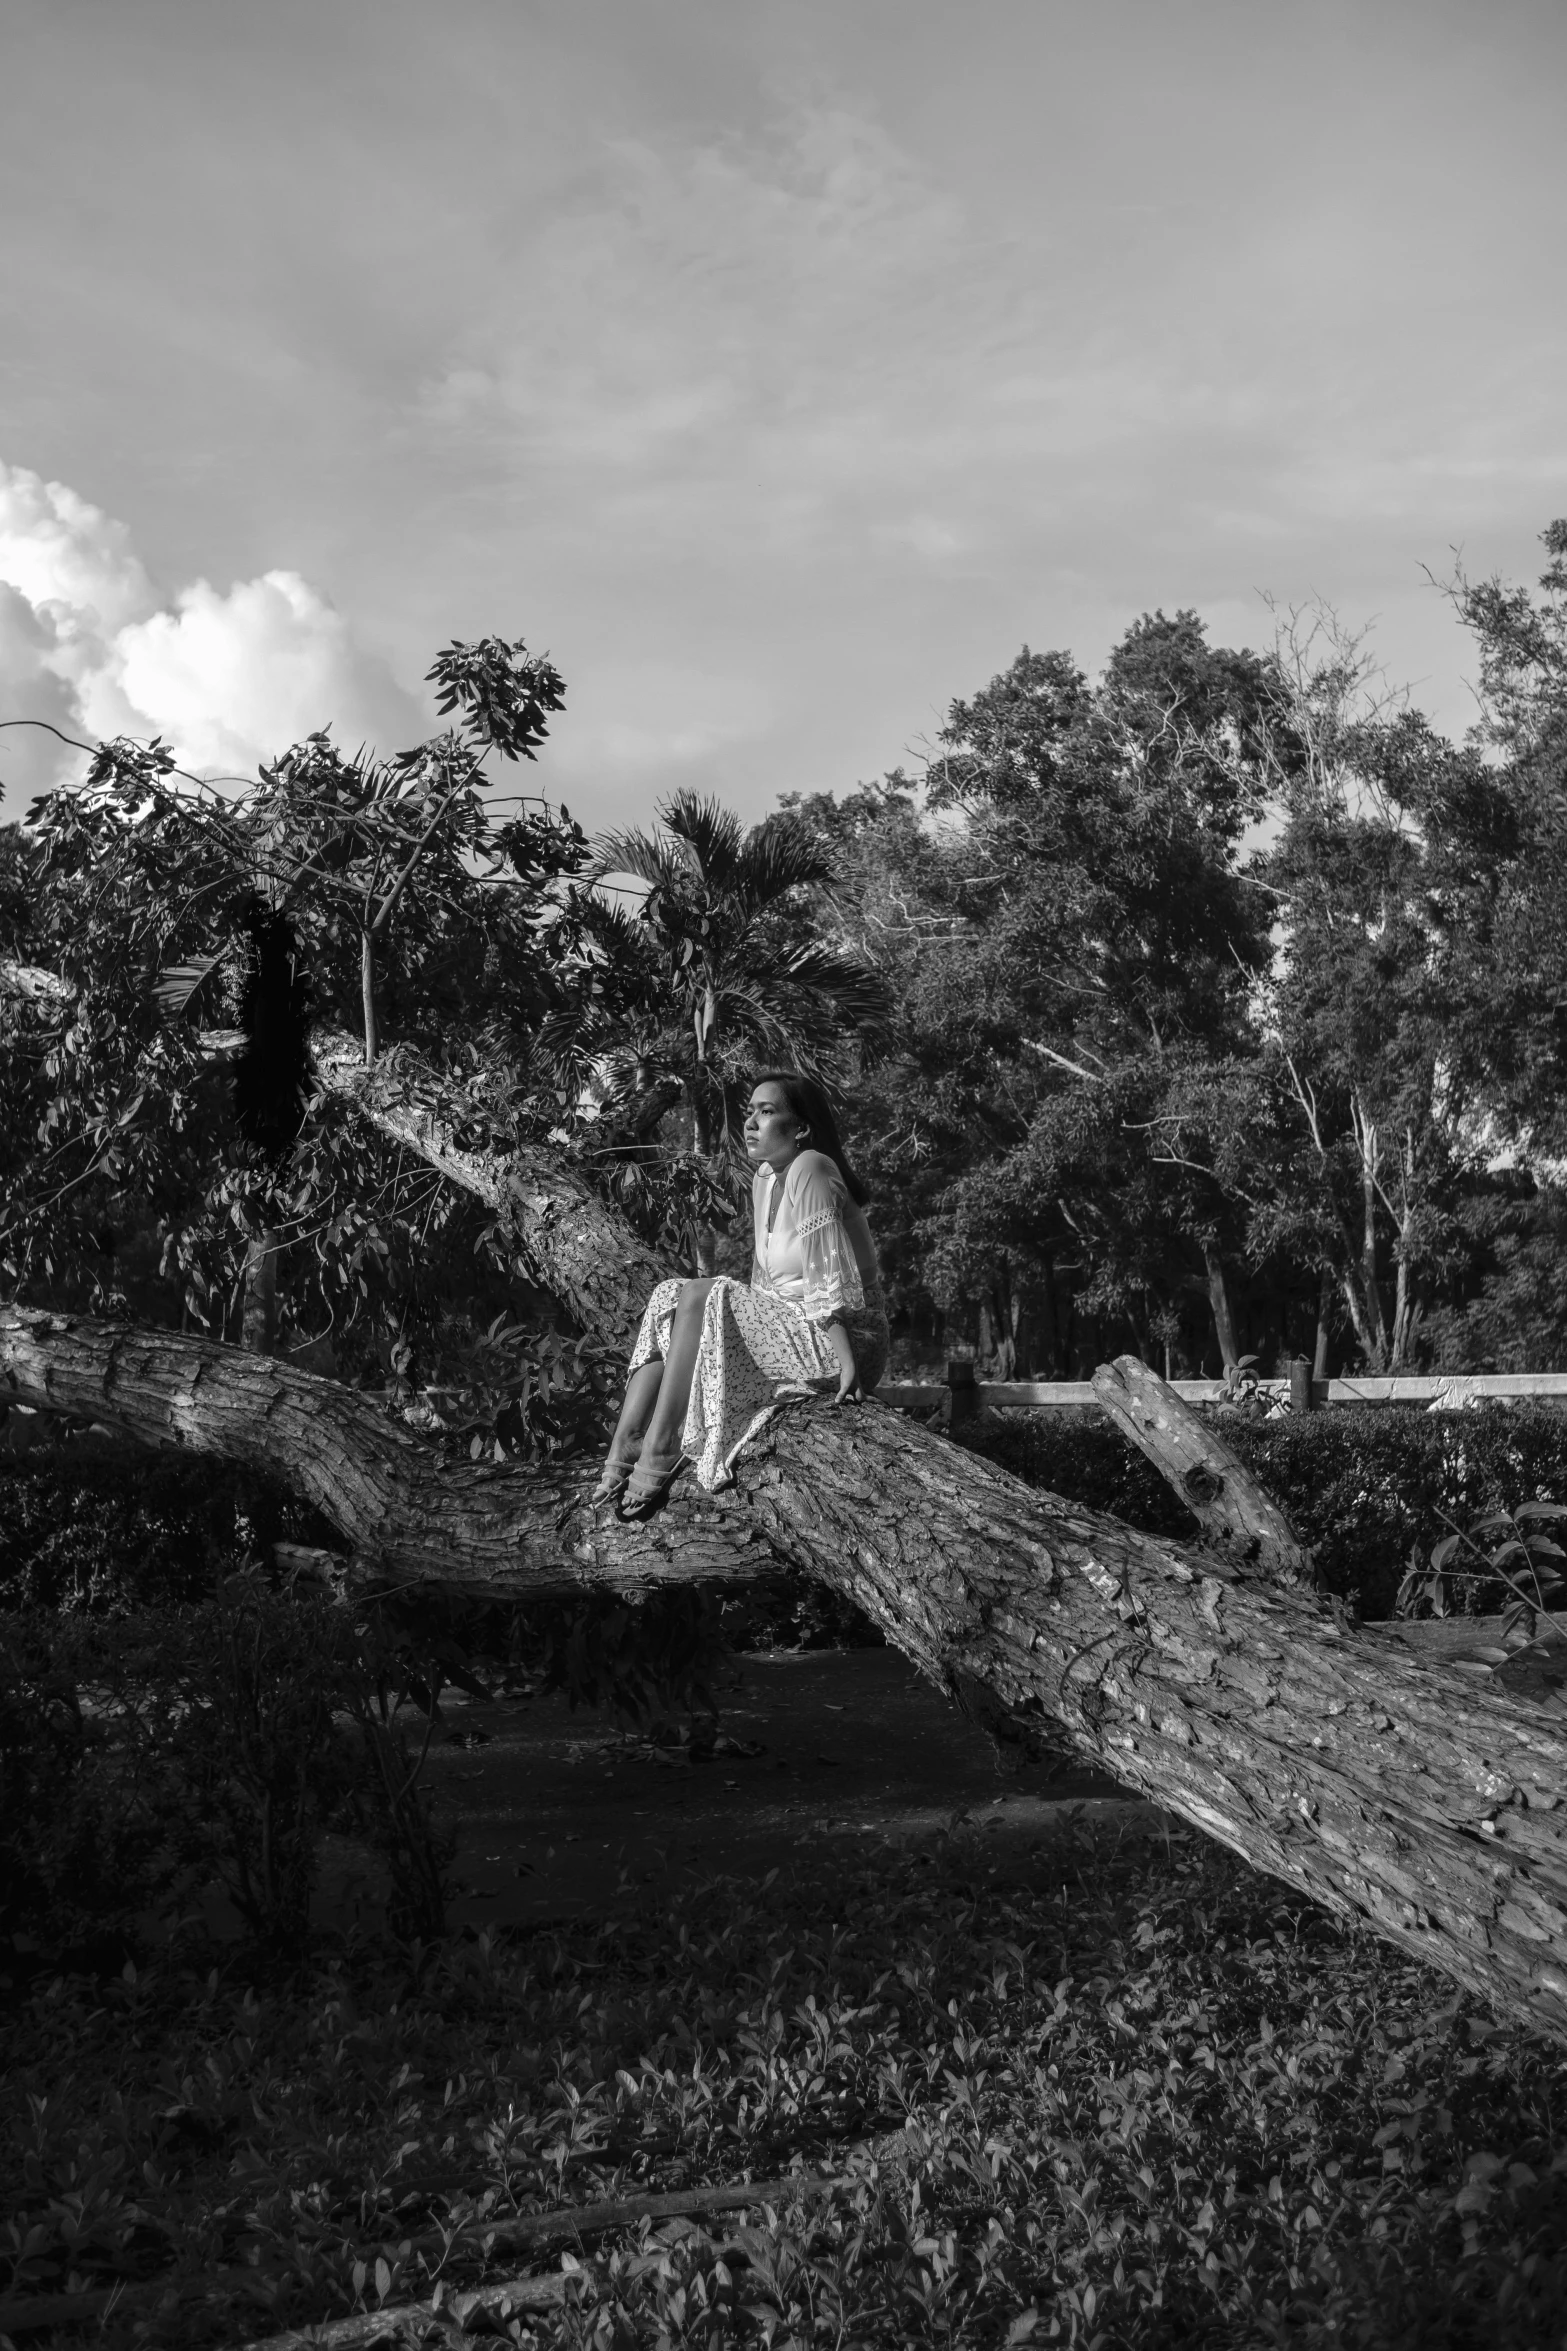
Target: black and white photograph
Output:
[(783, 1175)]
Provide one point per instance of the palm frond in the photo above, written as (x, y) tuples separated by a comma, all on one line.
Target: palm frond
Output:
[(615, 933), (856, 991), (644, 854), (780, 855), (712, 837)]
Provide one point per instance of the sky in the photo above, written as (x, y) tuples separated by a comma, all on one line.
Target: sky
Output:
[(779, 366)]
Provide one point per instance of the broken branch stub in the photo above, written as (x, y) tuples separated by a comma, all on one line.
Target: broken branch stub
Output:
[(1237, 1518)]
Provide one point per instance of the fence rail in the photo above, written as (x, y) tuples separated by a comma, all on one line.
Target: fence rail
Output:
[(962, 1393)]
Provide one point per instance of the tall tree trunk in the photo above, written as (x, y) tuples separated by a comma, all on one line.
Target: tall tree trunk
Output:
[(367, 998), (985, 1339), (1382, 1787), (258, 1315), (1046, 1326), (1003, 1317), (1219, 1302), (1319, 1360), (1371, 1318)]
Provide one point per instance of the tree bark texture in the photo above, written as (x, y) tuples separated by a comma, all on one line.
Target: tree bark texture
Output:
[(567, 1239), (1428, 1802)]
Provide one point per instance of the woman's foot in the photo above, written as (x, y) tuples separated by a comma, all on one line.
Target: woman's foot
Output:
[(617, 1469), (648, 1486)]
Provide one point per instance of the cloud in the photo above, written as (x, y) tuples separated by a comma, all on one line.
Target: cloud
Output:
[(234, 678), (228, 678), (66, 557)]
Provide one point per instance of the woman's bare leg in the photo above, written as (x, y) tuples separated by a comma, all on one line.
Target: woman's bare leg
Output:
[(626, 1443), (674, 1389), (637, 1410)]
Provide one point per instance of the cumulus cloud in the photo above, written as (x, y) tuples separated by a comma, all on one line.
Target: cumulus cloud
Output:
[(228, 677)]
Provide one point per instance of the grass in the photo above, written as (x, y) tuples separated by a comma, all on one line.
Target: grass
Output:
[(1119, 2094)]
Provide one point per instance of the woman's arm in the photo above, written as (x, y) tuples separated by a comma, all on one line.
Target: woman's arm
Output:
[(849, 1389), (816, 1200)]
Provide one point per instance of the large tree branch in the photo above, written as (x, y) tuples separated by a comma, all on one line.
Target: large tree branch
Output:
[(570, 1240), (567, 1238), (408, 1514), (1422, 1800)]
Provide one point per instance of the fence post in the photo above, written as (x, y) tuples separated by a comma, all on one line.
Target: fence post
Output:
[(962, 1395), (1301, 1398)]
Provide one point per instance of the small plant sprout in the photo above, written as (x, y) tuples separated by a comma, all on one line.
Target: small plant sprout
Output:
[(1510, 1547)]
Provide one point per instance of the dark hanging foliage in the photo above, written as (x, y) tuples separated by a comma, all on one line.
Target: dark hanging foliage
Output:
[(272, 1073)]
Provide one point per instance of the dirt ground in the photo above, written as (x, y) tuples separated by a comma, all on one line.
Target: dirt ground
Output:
[(818, 1751)]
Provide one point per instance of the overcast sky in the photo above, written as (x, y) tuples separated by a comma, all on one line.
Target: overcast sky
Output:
[(780, 365)]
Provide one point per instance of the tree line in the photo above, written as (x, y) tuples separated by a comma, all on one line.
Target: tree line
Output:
[(1230, 1001), (1212, 1005)]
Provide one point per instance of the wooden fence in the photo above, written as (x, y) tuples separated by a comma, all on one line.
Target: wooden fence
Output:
[(961, 1394)]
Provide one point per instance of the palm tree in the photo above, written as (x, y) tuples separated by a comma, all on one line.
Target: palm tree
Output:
[(721, 964)]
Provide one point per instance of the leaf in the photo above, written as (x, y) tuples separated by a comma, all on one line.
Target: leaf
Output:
[(1442, 1552), (174, 987)]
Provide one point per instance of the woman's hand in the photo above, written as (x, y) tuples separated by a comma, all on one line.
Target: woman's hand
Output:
[(849, 1388)]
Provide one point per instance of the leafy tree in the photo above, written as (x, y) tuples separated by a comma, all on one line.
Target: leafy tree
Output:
[(1395, 854), (1226, 964), (1508, 943), (1071, 938), (169, 1166)]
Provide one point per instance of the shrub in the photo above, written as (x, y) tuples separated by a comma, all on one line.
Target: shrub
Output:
[(144, 1758), (121, 1528), (87, 1838), (1363, 1486)]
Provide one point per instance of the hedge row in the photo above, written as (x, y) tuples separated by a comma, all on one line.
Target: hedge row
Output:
[(1363, 1486)]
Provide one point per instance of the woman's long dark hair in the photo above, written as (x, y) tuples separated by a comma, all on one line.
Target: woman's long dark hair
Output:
[(811, 1107)]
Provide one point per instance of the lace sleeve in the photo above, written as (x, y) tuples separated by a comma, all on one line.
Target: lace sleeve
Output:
[(827, 1260)]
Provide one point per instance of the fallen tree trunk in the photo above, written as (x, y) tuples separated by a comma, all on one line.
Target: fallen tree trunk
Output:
[(408, 1514), (1403, 1794)]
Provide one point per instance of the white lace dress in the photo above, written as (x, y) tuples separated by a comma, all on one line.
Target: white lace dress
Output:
[(813, 1264)]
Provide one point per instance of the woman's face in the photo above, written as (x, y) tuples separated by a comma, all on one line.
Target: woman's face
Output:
[(772, 1129)]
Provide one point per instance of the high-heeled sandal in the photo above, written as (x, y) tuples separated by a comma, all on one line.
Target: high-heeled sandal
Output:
[(648, 1486), (614, 1477)]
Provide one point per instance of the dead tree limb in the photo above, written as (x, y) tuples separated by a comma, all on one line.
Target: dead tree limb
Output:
[(1238, 1520)]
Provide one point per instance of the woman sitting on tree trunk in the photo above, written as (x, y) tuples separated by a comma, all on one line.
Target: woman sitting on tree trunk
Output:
[(713, 1358)]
